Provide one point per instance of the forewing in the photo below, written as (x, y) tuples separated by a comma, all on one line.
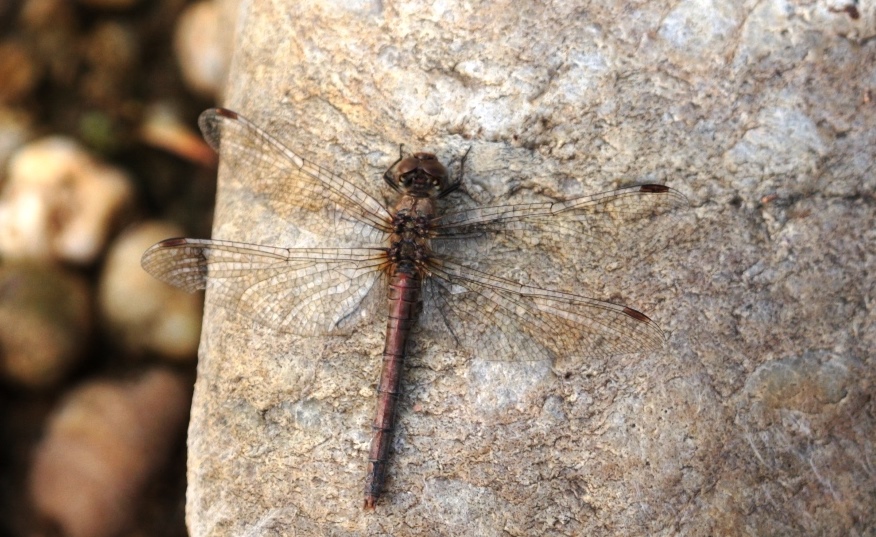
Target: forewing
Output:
[(585, 231), (499, 319), (304, 291), (271, 168)]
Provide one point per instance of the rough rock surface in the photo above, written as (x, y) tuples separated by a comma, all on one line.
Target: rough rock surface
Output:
[(756, 419)]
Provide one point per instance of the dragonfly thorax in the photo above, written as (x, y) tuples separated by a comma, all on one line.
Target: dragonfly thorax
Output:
[(403, 222), (409, 242), (412, 250)]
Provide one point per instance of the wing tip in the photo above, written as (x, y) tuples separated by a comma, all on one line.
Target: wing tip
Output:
[(637, 315), (153, 254), (655, 330), (224, 112), (172, 243), (654, 189), (678, 198)]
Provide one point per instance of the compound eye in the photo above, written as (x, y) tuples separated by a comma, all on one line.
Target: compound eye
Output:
[(406, 166)]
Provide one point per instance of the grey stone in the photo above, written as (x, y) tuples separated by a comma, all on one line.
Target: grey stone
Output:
[(756, 418)]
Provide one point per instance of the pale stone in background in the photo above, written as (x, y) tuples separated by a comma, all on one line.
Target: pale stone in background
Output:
[(202, 48), (102, 445), (60, 203), (142, 312)]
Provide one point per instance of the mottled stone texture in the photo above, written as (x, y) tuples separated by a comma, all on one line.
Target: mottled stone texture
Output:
[(758, 417)]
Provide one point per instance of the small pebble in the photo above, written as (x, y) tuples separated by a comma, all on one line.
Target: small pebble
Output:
[(46, 320), (102, 446), (201, 50), (60, 203), (53, 28), (162, 128), (111, 54), (144, 313), (18, 72)]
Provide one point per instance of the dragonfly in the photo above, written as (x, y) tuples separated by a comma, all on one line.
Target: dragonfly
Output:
[(456, 271)]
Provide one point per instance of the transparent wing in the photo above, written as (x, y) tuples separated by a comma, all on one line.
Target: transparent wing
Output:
[(287, 179), (585, 231), (523, 323), (305, 291)]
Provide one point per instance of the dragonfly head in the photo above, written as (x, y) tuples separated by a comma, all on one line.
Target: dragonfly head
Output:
[(420, 175)]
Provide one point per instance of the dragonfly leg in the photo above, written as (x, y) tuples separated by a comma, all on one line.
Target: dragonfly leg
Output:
[(458, 183), (388, 175)]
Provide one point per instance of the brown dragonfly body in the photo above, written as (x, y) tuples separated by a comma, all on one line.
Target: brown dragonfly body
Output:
[(438, 269), (423, 178)]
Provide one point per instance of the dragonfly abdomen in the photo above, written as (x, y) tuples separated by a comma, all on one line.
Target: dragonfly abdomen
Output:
[(404, 305)]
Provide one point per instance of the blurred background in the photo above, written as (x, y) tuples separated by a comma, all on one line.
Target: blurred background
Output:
[(100, 157)]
